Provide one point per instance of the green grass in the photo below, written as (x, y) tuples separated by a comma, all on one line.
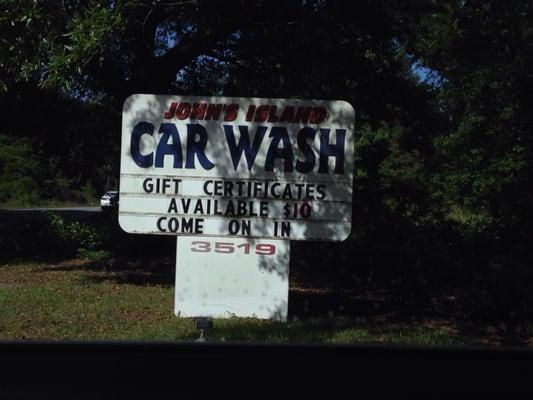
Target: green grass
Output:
[(331, 330), (67, 301)]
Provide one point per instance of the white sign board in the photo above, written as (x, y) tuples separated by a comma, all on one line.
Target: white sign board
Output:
[(236, 167), (226, 277)]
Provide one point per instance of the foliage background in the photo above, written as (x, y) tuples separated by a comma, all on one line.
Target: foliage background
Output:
[(443, 92)]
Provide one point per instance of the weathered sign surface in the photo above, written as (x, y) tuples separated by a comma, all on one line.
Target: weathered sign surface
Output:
[(236, 167), (229, 277)]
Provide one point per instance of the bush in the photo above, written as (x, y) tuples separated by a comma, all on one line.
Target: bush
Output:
[(19, 172), (77, 238), (49, 236)]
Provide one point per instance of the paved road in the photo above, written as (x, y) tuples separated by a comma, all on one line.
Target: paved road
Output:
[(68, 213), (54, 209)]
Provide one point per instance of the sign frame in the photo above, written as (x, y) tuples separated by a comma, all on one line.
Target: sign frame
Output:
[(242, 197)]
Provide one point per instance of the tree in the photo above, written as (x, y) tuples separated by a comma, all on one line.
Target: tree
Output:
[(103, 51), (482, 52)]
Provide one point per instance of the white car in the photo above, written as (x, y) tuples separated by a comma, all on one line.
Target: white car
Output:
[(109, 200)]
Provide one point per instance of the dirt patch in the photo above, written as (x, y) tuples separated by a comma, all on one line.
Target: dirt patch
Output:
[(7, 285)]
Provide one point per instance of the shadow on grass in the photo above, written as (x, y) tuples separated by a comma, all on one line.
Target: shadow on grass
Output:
[(309, 303), (332, 312), (332, 330), (125, 271)]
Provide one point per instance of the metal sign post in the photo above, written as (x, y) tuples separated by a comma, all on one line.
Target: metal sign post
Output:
[(236, 179)]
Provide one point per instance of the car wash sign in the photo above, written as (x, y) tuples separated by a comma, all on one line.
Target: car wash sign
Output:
[(236, 167)]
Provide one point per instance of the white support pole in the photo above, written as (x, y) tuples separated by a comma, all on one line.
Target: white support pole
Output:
[(226, 277)]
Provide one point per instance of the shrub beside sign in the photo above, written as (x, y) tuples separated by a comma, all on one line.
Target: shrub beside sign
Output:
[(236, 167)]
